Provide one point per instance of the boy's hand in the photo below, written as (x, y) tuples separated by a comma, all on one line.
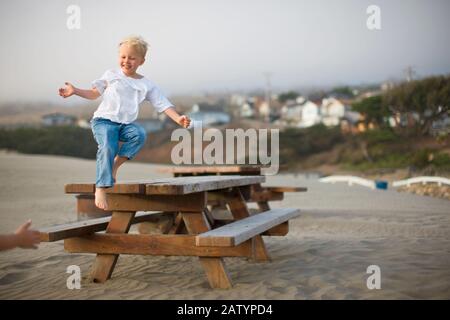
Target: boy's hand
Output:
[(27, 239), (67, 91), (184, 121)]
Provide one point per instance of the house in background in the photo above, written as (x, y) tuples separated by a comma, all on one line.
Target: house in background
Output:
[(301, 113), (441, 126), (310, 114), (291, 112), (58, 119), (263, 108), (352, 122), (332, 111), (246, 110), (238, 99)]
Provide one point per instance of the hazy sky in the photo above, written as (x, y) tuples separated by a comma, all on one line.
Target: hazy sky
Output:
[(207, 45)]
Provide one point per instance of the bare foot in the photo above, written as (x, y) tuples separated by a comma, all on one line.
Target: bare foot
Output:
[(100, 198)]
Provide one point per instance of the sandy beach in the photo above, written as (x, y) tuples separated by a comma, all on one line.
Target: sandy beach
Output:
[(342, 230)]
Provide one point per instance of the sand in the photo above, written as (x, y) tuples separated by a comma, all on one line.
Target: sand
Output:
[(341, 231)]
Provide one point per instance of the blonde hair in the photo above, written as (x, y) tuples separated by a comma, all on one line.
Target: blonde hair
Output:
[(136, 42)]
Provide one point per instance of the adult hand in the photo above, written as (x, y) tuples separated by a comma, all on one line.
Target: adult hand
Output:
[(27, 239)]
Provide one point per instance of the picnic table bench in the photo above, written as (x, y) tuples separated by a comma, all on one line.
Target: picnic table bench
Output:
[(194, 232)]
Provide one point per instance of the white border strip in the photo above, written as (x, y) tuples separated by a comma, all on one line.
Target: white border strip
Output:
[(350, 180), (424, 180)]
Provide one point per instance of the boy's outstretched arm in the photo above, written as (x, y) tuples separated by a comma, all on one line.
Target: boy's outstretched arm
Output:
[(183, 121), (70, 90)]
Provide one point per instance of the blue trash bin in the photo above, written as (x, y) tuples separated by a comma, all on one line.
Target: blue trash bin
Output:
[(380, 184)]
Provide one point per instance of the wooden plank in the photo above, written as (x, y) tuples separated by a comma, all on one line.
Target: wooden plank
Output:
[(124, 188), (178, 225), (194, 202), (172, 186), (80, 228), (209, 216), (286, 189), (186, 185), (212, 169), (263, 205), (79, 188), (104, 264), (216, 272), (237, 232), (196, 222), (279, 230), (255, 195), (165, 245), (265, 196)]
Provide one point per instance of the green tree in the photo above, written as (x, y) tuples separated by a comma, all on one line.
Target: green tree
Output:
[(290, 95), (343, 91), (373, 110), (428, 99)]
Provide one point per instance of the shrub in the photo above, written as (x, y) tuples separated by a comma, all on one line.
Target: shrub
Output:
[(67, 141)]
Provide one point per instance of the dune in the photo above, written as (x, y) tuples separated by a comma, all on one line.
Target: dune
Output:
[(342, 230)]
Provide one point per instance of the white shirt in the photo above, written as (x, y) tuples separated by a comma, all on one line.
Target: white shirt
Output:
[(122, 96)]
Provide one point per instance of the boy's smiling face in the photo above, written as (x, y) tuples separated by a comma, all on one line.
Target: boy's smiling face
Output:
[(129, 60)]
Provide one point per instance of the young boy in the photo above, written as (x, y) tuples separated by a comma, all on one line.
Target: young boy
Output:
[(123, 90)]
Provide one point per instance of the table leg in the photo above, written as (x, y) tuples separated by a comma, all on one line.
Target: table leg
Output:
[(104, 263), (239, 209), (279, 230), (209, 217), (178, 225), (215, 269), (262, 205)]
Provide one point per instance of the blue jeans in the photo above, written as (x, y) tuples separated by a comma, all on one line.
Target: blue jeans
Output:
[(107, 134)]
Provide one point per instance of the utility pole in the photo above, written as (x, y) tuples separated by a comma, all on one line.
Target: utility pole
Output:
[(268, 90), (410, 73)]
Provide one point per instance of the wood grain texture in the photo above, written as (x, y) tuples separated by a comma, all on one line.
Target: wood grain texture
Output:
[(104, 264), (234, 233), (80, 228), (155, 244), (216, 272), (286, 189), (186, 185), (134, 202), (170, 186), (212, 169)]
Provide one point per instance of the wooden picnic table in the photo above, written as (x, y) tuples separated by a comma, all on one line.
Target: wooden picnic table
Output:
[(254, 193), (137, 201)]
